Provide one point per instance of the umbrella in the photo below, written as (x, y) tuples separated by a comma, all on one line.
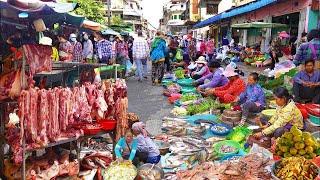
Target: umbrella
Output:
[(284, 35), (258, 25), (109, 32)]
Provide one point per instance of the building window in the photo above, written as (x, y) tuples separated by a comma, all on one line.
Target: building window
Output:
[(179, 17), (212, 8), (175, 16)]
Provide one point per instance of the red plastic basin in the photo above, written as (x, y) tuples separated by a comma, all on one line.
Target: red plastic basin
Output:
[(108, 125)]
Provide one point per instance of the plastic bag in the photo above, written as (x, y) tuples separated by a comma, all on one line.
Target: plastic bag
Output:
[(128, 64), (260, 151), (179, 55)]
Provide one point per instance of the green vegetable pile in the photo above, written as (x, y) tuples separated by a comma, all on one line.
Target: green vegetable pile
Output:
[(239, 134), (204, 106), (189, 97), (179, 73)]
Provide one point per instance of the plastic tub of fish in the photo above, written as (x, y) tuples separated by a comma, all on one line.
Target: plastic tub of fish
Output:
[(150, 172), (226, 148), (220, 129)]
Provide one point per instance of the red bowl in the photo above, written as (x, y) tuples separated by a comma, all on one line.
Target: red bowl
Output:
[(108, 125), (91, 131)]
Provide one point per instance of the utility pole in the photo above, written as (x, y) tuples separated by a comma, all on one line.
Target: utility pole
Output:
[(109, 12)]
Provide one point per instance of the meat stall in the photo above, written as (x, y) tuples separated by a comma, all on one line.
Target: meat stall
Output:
[(48, 117)]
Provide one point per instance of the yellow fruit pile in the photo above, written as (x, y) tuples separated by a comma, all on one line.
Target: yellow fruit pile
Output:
[(296, 168), (297, 143)]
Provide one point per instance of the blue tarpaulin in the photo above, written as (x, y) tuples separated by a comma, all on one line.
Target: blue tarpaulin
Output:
[(247, 8), (208, 21), (235, 11)]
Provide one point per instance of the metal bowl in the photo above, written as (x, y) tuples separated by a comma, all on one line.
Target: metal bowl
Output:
[(162, 146), (147, 167)]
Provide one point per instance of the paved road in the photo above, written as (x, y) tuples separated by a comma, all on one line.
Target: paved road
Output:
[(148, 102)]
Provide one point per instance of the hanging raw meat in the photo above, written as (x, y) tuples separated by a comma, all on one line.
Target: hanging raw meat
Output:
[(38, 58), (43, 117), (11, 84), (32, 123)]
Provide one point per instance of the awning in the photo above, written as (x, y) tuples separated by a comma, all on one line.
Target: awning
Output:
[(94, 26), (258, 25), (37, 6), (208, 21), (247, 8), (109, 32), (234, 12)]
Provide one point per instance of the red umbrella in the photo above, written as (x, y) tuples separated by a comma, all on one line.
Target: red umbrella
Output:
[(284, 34)]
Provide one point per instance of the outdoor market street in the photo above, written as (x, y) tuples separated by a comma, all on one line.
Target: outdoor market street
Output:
[(148, 103)]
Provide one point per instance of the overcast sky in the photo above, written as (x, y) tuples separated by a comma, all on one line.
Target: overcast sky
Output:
[(152, 11)]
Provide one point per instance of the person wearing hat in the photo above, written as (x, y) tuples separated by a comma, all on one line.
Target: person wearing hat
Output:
[(229, 92), (48, 42), (202, 68), (212, 80), (77, 48)]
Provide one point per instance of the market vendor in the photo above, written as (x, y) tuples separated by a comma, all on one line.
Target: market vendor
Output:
[(126, 147), (65, 48), (212, 80), (252, 100), (147, 150), (229, 92), (286, 116), (306, 85), (202, 68)]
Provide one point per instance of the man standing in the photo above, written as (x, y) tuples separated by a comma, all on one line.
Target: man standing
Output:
[(140, 51), (103, 48), (306, 85), (309, 50)]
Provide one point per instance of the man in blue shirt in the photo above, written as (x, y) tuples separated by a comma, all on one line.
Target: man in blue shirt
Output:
[(306, 85), (252, 100)]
